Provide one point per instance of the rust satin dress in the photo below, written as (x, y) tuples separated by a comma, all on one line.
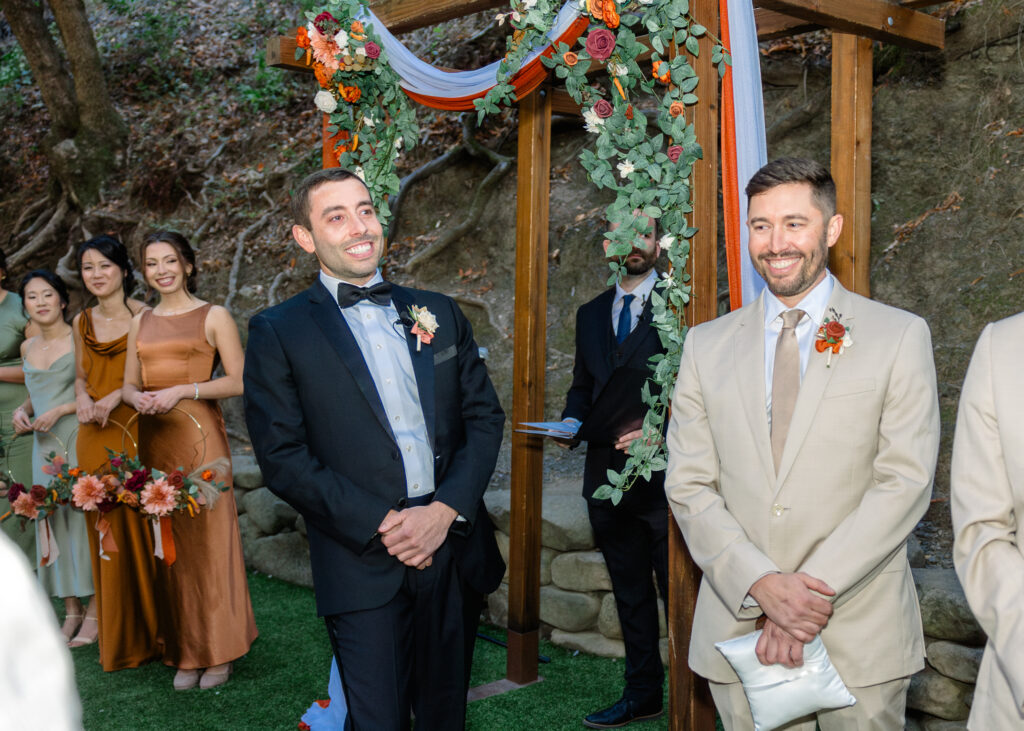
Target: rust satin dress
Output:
[(125, 598), (205, 614)]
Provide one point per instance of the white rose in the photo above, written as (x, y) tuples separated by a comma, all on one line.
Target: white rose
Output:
[(666, 241), (341, 39), (325, 101), (625, 169), (593, 123)]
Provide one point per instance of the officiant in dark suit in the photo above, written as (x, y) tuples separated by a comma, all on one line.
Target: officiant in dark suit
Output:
[(614, 331), (372, 414)]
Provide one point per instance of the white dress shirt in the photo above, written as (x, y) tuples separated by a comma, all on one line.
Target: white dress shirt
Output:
[(641, 293)]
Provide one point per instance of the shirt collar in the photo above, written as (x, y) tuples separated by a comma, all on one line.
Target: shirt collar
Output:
[(813, 303), (641, 291), (331, 283)]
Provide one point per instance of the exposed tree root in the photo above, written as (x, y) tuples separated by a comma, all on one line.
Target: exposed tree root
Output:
[(282, 277), (236, 260), (423, 171), (46, 234), (486, 307)]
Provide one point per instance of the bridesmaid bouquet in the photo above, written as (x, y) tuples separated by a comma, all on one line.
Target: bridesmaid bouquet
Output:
[(39, 502)]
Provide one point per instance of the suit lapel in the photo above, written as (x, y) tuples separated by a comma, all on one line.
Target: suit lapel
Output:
[(749, 372), (332, 323), (422, 360), (812, 388)]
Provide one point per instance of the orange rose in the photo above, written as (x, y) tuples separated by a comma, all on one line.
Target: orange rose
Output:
[(596, 9), (350, 94), (75, 471), (570, 58), (357, 30), (676, 109), (323, 76), (207, 475), (821, 346), (611, 15), (662, 76), (302, 38), (834, 330)]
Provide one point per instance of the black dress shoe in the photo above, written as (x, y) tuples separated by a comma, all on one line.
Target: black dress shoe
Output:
[(623, 713)]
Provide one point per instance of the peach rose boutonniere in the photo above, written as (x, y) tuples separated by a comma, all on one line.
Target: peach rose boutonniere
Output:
[(833, 337), (424, 325)]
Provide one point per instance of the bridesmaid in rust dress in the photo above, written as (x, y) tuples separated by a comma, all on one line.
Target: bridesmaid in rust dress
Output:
[(126, 620), (206, 619)]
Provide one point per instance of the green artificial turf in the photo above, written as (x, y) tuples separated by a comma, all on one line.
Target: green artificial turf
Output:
[(288, 666)]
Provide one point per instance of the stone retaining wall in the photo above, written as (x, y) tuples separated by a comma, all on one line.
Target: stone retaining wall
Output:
[(577, 609)]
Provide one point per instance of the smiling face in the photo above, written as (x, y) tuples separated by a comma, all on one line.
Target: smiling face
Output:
[(789, 240), (164, 268), (344, 232), (101, 276), (42, 302)]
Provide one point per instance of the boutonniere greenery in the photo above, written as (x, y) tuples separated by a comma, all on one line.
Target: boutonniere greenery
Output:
[(424, 325), (833, 337)]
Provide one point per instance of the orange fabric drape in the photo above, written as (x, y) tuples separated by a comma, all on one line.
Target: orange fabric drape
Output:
[(730, 185)]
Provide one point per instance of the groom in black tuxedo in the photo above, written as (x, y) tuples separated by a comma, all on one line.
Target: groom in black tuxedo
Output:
[(372, 414), (613, 331)]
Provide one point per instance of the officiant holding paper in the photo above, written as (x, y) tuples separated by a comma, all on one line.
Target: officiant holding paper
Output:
[(614, 337), (802, 447)]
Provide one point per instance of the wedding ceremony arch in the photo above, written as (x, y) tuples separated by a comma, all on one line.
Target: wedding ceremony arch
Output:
[(709, 116)]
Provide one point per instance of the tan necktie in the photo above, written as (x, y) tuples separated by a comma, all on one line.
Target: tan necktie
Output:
[(785, 382)]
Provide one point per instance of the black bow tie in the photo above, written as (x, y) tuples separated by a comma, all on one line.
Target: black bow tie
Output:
[(378, 294)]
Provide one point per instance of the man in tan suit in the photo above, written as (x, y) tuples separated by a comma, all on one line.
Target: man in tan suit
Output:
[(988, 506), (802, 447)]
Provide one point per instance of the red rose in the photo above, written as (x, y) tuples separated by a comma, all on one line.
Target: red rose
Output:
[(834, 330), (603, 108), (325, 23), (38, 494), (15, 491), (600, 44), (372, 50), (674, 152), (137, 481), (176, 479)]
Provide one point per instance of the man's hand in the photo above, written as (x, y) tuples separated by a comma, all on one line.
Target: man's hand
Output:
[(567, 443), (788, 601), (414, 534), (627, 439), (775, 645)]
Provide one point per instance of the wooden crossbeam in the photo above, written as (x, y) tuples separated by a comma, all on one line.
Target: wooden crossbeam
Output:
[(772, 25), (402, 16), (875, 19)]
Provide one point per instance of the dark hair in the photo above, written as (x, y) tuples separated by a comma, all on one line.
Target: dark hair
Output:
[(181, 245), (116, 252), (300, 198), (50, 278), (797, 170), (3, 267)]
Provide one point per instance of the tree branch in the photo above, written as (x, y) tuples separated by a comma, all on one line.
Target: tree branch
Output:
[(236, 260), (486, 307)]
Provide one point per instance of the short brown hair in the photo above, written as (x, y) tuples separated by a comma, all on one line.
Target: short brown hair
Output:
[(300, 198), (785, 170)]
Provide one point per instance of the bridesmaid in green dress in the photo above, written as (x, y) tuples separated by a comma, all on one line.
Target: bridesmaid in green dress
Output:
[(15, 450), (49, 412)]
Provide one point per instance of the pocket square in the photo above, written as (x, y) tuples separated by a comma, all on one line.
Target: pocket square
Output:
[(443, 355), (778, 694)]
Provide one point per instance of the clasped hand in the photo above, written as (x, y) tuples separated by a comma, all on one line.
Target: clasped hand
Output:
[(162, 401), (795, 615), (414, 534)]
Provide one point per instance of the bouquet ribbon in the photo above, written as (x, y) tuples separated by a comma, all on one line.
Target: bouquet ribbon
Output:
[(48, 550), (163, 537), (163, 540), (107, 542)]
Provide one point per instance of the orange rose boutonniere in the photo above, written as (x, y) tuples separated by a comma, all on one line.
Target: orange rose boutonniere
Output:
[(833, 337)]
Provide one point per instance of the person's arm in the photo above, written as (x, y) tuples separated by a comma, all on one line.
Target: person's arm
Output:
[(864, 542), (222, 334), (327, 500), (12, 374), (985, 522), (461, 489), (131, 389), (46, 420), (84, 404)]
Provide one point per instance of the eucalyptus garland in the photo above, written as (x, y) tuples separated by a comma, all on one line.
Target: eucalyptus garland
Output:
[(647, 162)]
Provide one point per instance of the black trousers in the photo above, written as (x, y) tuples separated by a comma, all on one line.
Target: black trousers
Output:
[(634, 541), (406, 656)]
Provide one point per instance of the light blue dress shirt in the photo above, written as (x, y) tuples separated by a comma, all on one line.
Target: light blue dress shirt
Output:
[(381, 339), (641, 293)]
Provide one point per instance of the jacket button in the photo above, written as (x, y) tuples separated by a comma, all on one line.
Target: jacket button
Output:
[(777, 510), (394, 456)]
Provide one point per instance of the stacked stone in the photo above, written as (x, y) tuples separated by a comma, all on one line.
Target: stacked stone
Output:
[(577, 608), (940, 695)]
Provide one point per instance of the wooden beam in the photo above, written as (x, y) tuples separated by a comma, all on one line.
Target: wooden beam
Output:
[(772, 25), (690, 705), (402, 16), (875, 19), (852, 85), (528, 364)]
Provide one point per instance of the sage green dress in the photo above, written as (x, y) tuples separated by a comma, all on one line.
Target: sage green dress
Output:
[(71, 573), (15, 451)]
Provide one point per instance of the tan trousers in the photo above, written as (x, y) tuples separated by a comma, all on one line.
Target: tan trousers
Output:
[(879, 708)]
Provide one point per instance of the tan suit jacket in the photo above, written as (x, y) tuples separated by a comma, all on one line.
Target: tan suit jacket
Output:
[(854, 479), (988, 501)]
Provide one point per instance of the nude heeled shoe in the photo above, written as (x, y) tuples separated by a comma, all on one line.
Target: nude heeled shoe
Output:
[(215, 676), (186, 679)]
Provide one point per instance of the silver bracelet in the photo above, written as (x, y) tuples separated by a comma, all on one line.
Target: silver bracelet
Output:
[(196, 397)]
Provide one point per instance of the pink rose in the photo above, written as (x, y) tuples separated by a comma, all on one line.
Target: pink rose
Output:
[(600, 44), (674, 152), (603, 108), (372, 50)]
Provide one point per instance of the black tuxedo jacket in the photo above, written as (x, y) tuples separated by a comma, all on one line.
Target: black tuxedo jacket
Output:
[(322, 439), (597, 356)]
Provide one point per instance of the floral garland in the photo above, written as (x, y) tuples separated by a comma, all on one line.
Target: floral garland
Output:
[(360, 93), (649, 173)]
